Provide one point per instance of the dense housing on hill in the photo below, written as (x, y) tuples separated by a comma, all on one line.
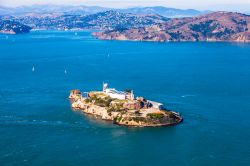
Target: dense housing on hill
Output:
[(13, 27), (102, 21)]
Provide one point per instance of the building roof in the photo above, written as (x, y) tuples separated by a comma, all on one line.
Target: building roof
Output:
[(154, 103), (114, 91)]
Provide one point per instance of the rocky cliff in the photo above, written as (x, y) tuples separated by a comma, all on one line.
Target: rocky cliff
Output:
[(123, 112)]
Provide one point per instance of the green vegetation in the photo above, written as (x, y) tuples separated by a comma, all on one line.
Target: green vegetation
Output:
[(102, 102), (240, 22), (118, 119), (138, 119), (117, 105), (116, 109), (176, 35), (155, 115), (206, 28), (111, 109), (120, 101), (88, 100)]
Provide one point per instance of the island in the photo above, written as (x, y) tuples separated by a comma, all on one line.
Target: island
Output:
[(123, 108)]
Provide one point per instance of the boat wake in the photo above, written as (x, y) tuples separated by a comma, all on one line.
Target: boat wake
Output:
[(185, 96), (18, 121)]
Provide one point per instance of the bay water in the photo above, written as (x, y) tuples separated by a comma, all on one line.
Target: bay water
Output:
[(207, 82)]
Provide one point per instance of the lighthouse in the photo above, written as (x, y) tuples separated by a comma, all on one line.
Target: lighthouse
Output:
[(104, 87), (132, 96)]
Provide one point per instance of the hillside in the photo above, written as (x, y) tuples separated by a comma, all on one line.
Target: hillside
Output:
[(13, 27), (102, 20), (113, 19), (87, 10), (164, 11), (217, 26)]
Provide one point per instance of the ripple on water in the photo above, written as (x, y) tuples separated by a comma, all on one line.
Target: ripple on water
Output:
[(21, 121)]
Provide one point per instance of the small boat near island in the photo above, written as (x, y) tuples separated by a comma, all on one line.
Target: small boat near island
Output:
[(123, 108)]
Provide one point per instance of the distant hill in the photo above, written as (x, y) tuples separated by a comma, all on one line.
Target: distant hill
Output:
[(6, 11), (164, 11), (118, 25), (86, 10), (217, 26), (114, 19), (48, 9), (13, 27), (102, 21)]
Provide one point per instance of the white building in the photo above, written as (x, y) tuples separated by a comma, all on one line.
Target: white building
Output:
[(113, 93), (156, 104)]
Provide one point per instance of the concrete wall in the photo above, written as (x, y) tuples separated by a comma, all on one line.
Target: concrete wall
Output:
[(117, 96)]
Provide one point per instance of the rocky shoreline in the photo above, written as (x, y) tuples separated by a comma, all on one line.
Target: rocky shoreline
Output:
[(123, 112)]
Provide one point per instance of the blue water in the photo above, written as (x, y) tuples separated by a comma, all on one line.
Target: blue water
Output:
[(208, 83)]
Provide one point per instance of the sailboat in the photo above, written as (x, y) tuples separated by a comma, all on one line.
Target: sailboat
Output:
[(65, 71), (33, 68)]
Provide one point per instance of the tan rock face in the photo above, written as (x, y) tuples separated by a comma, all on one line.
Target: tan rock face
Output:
[(126, 119), (92, 109), (75, 94), (91, 94), (135, 105), (242, 37)]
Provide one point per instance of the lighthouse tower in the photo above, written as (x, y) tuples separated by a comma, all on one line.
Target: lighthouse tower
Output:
[(132, 96), (104, 87)]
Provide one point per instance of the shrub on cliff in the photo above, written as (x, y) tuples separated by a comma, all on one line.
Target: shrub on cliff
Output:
[(102, 102), (155, 115), (87, 100)]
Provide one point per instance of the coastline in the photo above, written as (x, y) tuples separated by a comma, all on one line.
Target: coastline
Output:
[(171, 41), (124, 124), (128, 40)]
